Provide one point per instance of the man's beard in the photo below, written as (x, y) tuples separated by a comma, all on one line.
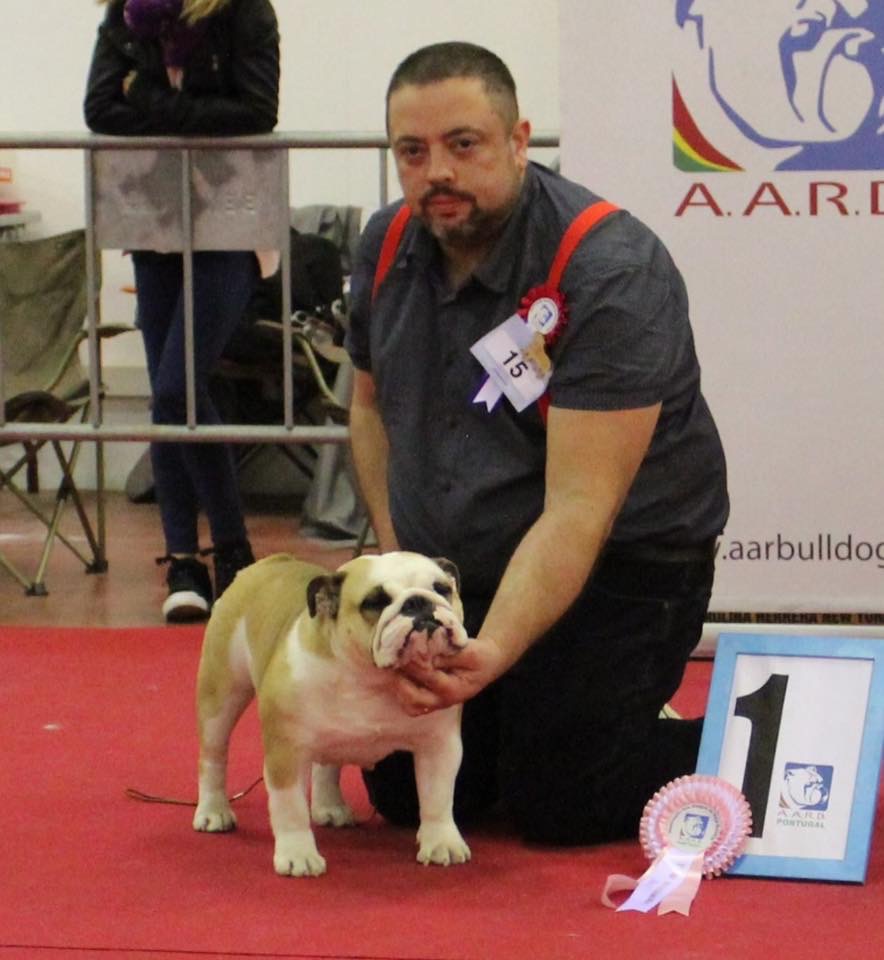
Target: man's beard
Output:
[(479, 228)]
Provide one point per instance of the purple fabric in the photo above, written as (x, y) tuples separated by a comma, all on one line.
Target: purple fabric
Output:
[(161, 20), (148, 19)]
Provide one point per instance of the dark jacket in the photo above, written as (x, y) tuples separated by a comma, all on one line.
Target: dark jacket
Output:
[(231, 83)]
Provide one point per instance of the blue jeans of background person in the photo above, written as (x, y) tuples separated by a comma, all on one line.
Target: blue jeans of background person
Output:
[(190, 476), (568, 743)]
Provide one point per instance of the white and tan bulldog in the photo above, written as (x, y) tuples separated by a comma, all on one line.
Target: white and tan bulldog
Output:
[(319, 649)]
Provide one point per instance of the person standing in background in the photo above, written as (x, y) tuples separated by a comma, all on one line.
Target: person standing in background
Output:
[(189, 68)]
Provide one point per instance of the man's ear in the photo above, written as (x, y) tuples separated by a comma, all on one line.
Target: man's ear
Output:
[(450, 568), (324, 595), (520, 138)]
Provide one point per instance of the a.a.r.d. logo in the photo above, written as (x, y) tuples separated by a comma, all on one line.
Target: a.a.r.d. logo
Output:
[(543, 315), (694, 827), (806, 786), (779, 85)]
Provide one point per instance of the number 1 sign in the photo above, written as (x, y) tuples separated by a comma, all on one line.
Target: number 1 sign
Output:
[(797, 724)]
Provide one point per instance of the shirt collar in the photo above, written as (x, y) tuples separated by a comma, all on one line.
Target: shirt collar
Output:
[(495, 272)]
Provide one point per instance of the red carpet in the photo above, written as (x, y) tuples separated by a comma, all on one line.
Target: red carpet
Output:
[(87, 873)]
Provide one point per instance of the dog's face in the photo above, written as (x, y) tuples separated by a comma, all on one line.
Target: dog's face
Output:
[(394, 608)]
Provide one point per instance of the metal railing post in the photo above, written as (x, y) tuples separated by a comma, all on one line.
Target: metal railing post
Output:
[(285, 275), (93, 292), (187, 264), (93, 317), (383, 185)]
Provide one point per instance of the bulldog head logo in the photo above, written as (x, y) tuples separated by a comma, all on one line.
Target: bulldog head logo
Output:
[(802, 79), (806, 786)]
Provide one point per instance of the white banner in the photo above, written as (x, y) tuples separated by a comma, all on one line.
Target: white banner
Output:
[(749, 134)]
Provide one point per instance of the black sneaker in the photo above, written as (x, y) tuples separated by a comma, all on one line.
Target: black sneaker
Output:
[(230, 558), (190, 590)]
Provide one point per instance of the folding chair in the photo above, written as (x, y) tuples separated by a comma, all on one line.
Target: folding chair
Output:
[(43, 302)]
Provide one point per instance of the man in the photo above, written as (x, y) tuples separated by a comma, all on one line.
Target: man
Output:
[(623, 479), (817, 77)]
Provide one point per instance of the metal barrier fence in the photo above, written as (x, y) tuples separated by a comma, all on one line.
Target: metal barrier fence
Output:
[(232, 193)]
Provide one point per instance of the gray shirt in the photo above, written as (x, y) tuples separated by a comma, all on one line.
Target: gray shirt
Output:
[(466, 483)]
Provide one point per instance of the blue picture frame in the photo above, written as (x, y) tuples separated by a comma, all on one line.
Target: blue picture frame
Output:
[(730, 649)]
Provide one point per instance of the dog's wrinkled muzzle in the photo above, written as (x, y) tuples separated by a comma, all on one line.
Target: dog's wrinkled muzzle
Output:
[(420, 630)]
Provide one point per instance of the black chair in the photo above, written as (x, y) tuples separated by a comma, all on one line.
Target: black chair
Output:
[(247, 384)]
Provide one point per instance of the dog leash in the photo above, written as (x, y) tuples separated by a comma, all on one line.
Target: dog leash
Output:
[(133, 794)]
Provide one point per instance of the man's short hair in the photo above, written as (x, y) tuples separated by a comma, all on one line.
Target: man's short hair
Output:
[(445, 61)]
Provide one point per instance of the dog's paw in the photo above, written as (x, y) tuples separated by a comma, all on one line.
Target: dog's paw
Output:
[(295, 855), (214, 817), (333, 815), (441, 844)]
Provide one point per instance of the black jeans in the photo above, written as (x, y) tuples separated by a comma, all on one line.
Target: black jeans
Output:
[(568, 745)]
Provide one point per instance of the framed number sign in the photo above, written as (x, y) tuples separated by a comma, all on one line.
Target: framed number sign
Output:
[(797, 724)]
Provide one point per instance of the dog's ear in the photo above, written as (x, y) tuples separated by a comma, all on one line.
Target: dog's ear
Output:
[(324, 595), (451, 569)]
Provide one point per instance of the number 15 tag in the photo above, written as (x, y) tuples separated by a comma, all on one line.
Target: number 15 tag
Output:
[(501, 353)]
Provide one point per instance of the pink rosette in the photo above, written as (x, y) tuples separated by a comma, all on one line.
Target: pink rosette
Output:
[(699, 814)]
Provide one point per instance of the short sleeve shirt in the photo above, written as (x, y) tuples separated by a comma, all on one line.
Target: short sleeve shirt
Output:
[(467, 483)]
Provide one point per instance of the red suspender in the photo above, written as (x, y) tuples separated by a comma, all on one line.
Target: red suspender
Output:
[(577, 230), (392, 238)]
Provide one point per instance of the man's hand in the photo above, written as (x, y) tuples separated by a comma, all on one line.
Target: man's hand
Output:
[(454, 678)]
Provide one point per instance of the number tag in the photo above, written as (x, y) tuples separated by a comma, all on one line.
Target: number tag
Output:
[(502, 354)]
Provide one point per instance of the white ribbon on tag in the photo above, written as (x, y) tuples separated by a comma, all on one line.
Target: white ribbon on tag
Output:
[(501, 354), (489, 394)]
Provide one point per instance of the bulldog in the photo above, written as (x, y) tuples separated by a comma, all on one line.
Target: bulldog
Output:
[(319, 651)]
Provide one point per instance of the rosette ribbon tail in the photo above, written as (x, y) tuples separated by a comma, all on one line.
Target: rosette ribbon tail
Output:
[(617, 883), (670, 883), (489, 394), (681, 898)]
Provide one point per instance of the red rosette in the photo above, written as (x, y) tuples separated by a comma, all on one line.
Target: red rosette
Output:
[(543, 309), (700, 814)]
